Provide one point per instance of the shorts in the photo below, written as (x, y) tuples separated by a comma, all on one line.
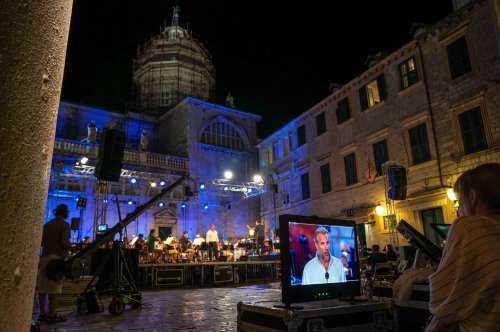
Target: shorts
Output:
[(45, 285)]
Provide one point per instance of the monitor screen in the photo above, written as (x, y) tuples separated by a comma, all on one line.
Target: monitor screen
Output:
[(102, 227), (319, 258), (419, 240), (441, 229)]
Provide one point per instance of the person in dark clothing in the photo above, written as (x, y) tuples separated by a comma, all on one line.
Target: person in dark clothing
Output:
[(390, 254), (55, 244), (260, 235), (376, 257)]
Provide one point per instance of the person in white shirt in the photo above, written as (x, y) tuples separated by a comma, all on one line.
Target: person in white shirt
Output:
[(323, 268), (212, 238)]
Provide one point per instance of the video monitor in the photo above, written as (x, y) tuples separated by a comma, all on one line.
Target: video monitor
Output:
[(319, 258), (441, 229), (419, 240), (102, 228)]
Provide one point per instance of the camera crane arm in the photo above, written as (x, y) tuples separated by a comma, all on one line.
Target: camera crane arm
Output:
[(73, 268), (110, 233)]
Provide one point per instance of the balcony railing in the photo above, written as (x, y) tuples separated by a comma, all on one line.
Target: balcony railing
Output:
[(132, 157)]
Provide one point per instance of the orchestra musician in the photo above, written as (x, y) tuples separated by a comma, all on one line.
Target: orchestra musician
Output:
[(186, 245), (212, 238)]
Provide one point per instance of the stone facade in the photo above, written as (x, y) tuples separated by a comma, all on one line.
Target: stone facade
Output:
[(165, 138), (409, 100)]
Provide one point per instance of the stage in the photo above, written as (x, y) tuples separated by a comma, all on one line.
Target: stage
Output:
[(208, 273)]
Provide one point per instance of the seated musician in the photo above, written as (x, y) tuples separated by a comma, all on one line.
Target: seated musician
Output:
[(139, 244), (186, 245), (86, 241)]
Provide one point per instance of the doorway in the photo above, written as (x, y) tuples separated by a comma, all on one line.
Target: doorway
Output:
[(164, 232)]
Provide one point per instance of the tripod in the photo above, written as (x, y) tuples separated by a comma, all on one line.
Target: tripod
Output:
[(121, 284)]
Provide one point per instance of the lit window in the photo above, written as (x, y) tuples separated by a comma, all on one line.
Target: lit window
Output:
[(408, 73), (372, 93)]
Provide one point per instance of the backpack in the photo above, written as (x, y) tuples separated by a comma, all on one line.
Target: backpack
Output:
[(92, 304)]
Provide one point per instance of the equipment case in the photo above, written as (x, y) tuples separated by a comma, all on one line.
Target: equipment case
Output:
[(330, 316)]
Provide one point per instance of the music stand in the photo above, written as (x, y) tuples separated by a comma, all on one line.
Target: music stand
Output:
[(134, 240), (198, 241)]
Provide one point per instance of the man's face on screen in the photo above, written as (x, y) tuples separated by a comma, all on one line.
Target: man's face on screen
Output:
[(323, 247)]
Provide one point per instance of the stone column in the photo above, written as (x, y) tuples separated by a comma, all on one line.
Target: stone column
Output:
[(33, 41)]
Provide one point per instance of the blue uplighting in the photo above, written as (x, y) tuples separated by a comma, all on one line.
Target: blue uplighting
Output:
[(161, 204), (183, 205), (202, 186), (130, 202), (133, 180), (206, 206), (162, 183), (226, 188), (249, 190)]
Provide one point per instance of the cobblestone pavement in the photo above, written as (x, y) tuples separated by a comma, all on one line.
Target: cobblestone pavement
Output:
[(181, 309)]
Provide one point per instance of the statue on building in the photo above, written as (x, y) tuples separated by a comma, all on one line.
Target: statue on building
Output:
[(230, 100), (91, 132), (143, 145)]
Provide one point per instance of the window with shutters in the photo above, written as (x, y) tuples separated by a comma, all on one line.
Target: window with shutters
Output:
[(372, 93), (326, 182), (343, 113), (380, 154), (458, 58), (408, 73), (304, 181), (472, 130), (419, 144), (320, 124), (301, 135), (351, 174)]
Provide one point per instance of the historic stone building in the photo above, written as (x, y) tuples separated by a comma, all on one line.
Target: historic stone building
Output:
[(171, 66), (432, 107), (173, 132)]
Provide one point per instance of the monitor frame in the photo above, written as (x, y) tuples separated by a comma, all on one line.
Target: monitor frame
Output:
[(316, 292)]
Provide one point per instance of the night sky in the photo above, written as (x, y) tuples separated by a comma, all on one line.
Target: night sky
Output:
[(277, 58)]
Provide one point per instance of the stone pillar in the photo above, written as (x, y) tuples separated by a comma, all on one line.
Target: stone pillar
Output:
[(33, 41)]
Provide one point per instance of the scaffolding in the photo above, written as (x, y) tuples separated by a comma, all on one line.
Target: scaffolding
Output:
[(389, 206), (101, 190), (169, 67)]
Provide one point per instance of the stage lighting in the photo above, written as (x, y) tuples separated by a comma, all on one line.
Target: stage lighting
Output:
[(161, 204), (81, 203), (130, 202), (257, 178), (379, 210), (133, 180), (153, 184), (162, 183), (183, 205), (249, 190), (202, 186), (228, 175), (205, 207), (84, 160)]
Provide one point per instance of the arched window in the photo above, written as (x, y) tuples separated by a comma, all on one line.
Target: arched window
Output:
[(222, 134)]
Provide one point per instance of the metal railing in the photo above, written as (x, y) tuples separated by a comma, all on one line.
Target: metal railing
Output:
[(133, 157)]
